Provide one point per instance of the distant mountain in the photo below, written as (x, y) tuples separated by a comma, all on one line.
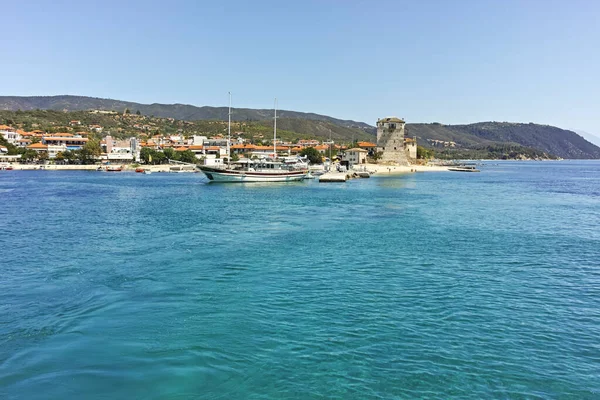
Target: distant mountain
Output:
[(177, 111), (549, 139), (479, 136)]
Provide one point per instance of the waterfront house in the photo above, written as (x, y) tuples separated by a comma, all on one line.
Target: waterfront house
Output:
[(354, 156), (65, 140), (38, 147), (371, 148)]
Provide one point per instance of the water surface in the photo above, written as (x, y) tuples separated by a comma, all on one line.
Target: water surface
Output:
[(429, 285)]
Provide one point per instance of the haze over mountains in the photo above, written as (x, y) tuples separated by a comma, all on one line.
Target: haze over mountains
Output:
[(549, 139)]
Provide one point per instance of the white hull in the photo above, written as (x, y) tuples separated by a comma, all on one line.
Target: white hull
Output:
[(255, 176)]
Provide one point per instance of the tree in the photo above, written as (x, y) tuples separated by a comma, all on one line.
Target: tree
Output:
[(138, 112), (89, 152), (29, 155), (188, 156), (424, 153), (170, 153), (147, 155), (35, 139), (235, 157), (127, 111), (159, 158), (59, 156), (312, 154), (69, 156)]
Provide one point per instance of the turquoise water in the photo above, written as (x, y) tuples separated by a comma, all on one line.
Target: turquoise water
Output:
[(438, 285)]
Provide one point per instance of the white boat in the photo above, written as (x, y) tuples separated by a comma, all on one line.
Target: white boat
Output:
[(266, 170), (255, 171)]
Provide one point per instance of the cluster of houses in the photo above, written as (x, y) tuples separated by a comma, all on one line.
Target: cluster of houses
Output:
[(392, 145), (213, 150), (441, 143)]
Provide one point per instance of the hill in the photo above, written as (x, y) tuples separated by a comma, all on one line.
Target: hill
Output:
[(177, 111), (545, 138), (491, 138), (122, 126)]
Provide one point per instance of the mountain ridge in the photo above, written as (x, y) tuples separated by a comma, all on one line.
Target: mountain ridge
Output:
[(549, 139), (178, 110)]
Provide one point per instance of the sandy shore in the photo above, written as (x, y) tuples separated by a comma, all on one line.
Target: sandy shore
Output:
[(398, 169)]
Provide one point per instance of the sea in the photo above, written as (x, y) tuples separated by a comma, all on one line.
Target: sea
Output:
[(436, 285)]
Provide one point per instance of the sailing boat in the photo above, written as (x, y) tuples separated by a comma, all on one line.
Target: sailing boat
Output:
[(264, 170)]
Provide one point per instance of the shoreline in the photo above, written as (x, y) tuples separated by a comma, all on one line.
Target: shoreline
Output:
[(378, 169), (381, 170), (94, 167)]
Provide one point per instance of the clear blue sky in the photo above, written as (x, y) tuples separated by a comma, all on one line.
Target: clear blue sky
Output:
[(426, 61)]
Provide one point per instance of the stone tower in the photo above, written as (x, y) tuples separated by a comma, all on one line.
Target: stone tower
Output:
[(390, 140)]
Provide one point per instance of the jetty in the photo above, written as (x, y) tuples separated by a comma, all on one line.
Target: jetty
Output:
[(334, 177)]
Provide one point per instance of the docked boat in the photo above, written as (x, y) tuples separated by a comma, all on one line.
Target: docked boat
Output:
[(464, 168), (247, 170), (114, 168), (139, 170), (262, 170)]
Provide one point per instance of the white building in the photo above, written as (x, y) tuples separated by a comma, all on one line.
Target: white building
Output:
[(11, 135), (355, 156)]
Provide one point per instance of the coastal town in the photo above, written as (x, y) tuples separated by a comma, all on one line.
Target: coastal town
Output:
[(83, 146)]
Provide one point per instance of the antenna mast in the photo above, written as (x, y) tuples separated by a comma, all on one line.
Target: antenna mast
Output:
[(275, 131), (229, 132)]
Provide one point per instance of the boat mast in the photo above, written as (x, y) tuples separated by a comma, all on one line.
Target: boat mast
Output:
[(275, 131), (229, 132)]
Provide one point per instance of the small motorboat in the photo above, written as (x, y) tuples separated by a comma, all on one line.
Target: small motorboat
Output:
[(140, 170), (464, 168)]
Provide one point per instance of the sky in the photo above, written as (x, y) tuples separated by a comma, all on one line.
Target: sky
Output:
[(425, 61)]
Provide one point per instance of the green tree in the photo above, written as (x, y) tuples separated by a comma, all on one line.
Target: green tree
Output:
[(312, 154), (59, 156), (235, 157), (127, 111), (159, 158), (424, 153), (29, 155), (147, 155), (138, 112), (35, 139), (188, 156), (170, 153), (69, 156), (89, 152)]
